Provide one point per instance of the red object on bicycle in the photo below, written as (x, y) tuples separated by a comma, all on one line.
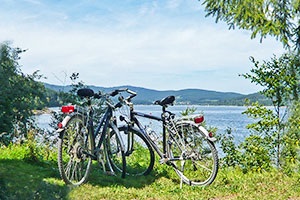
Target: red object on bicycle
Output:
[(67, 109), (199, 119)]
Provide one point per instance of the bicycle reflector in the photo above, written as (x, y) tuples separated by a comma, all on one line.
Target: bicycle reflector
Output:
[(199, 119), (60, 125), (67, 109)]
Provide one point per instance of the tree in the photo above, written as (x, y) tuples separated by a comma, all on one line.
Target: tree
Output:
[(279, 85), (279, 77), (278, 18), (19, 93), (291, 150)]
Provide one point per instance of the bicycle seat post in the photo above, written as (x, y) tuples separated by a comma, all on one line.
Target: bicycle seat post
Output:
[(89, 102), (163, 116)]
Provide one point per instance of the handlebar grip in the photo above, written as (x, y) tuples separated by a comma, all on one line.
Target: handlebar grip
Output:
[(131, 92), (97, 96), (114, 93), (118, 105)]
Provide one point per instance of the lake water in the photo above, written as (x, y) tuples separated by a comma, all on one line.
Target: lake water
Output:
[(222, 117)]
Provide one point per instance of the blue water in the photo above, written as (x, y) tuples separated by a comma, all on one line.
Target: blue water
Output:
[(221, 117)]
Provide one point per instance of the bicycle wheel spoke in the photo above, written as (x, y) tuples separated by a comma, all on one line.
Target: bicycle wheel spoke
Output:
[(80, 169), (199, 162), (138, 153), (72, 162), (68, 170), (204, 167)]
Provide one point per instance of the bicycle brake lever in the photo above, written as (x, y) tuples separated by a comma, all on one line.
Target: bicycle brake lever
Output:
[(122, 118)]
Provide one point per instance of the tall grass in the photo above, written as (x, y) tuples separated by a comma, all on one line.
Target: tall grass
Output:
[(25, 173)]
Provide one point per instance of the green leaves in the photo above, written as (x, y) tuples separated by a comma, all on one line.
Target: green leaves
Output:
[(291, 140), (19, 93), (262, 17), (232, 154), (278, 77), (251, 155)]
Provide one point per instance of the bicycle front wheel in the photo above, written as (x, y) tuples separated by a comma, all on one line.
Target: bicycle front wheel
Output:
[(74, 165), (115, 154), (138, 152), (195, 159)]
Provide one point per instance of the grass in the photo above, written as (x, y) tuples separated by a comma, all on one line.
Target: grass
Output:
[(24, 179)]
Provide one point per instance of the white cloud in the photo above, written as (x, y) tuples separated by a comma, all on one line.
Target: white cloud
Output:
[(138, 52)]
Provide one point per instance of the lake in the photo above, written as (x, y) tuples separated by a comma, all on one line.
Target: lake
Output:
[(221, 117)]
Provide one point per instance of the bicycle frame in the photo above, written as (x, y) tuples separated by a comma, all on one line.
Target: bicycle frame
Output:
[(162, 119), (106, 121)]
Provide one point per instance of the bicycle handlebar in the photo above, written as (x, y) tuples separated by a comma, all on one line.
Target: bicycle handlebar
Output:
[(114, 93), (88, 93), (117, 91)]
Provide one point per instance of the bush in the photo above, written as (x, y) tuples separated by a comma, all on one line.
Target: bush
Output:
[(29, 150), (255, 155), (251, 155), (232, 155)]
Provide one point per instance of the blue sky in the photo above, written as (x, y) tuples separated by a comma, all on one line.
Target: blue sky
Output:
[(164, 45)]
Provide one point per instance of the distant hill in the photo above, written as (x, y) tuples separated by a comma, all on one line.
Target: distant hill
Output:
[(185, 96)]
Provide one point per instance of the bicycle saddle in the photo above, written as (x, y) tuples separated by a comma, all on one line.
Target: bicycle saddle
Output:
[(85, 92), (166, 101)]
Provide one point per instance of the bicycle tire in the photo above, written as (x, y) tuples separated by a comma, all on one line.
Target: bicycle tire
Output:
[(198, 158), (115, 154), (74, 166), (140, 161)]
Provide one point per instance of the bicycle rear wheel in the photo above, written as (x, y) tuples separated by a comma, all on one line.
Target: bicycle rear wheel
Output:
[(138, 152), (74, 165), (196, 159)]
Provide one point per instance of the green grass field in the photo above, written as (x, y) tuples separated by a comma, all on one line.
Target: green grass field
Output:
[(21, 179)]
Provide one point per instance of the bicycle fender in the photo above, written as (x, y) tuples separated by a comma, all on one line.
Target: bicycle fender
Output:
[(115, 128), (201, 129), (64, 123)]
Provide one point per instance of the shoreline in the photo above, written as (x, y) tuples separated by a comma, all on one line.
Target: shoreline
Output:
[(43, 111)]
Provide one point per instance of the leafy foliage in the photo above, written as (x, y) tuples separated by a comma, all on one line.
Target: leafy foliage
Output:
[(281, 86), (230, 149), (278, 77), (291, 150), (251, 155), (273, 141), (276, 18), (19, 93), (256, 154), (188, 111)]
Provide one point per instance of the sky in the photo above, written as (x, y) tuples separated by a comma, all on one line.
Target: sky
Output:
[(162, 45)]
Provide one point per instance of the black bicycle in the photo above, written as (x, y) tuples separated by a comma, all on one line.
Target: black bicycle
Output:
[(79, 144), (186, 145)]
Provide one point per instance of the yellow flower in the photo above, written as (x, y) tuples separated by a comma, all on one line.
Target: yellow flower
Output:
[(258, 169)]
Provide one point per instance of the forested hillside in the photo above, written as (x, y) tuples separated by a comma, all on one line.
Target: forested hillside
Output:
[(185, 96)]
